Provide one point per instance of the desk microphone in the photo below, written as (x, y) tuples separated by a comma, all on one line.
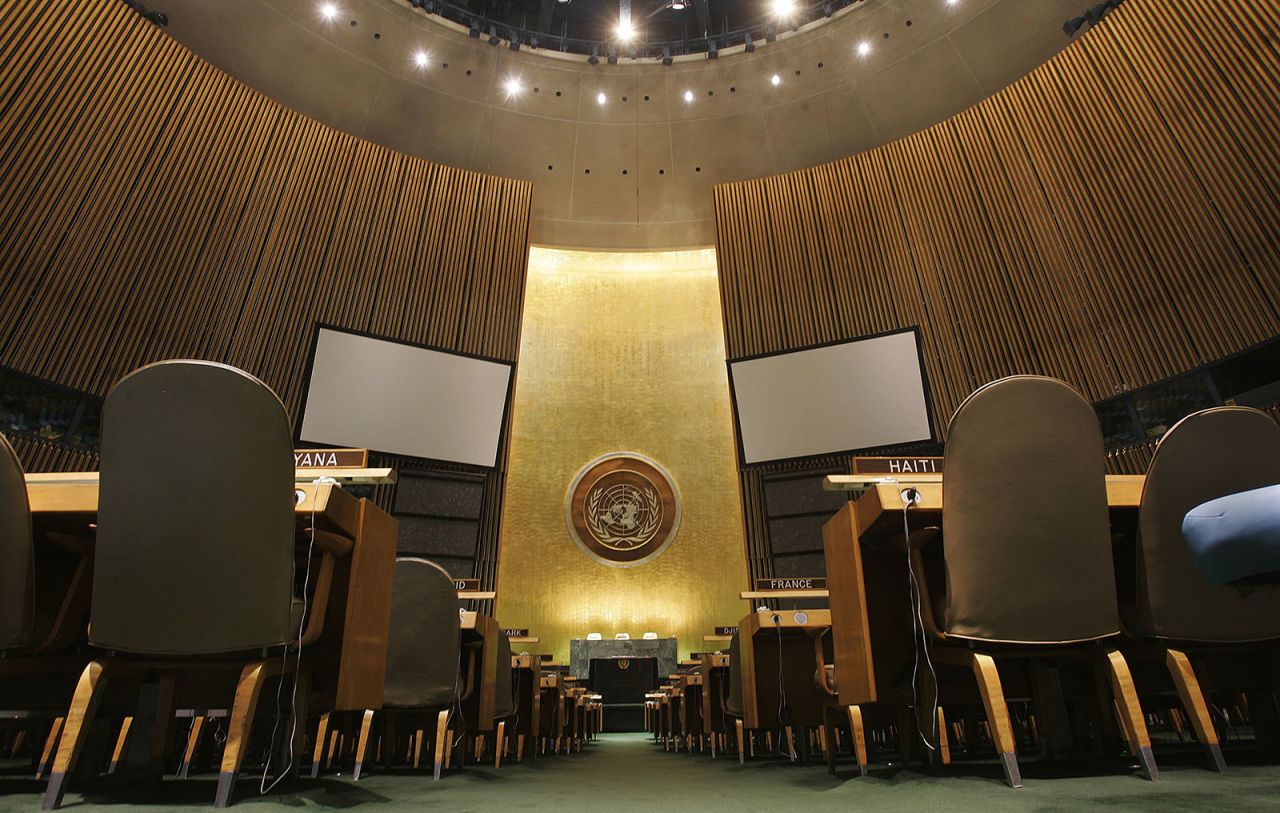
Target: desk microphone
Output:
[(910, 496)]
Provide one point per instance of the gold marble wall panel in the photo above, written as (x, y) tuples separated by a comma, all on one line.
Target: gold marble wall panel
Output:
[(621, 352)]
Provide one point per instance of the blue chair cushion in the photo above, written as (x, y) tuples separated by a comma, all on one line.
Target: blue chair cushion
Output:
[(1237, 536)]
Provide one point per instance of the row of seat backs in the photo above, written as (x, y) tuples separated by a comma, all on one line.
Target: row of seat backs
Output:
[(1027, 539), (195, 539)]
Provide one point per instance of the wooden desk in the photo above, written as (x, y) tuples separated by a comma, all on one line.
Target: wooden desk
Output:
[(868, 653), (768, 594), (752, 653), (350, 476), (483, 631), (476, 595), (350, 659), (526, 680)]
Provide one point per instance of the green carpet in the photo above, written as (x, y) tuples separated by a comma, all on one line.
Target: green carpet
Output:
[(627, 772)]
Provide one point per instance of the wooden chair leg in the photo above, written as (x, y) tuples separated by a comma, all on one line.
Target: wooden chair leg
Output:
[(742, 751), (448, 751), (122, 739), (984, 671), (240, 724), (75, 731), (858, 734), (499, 743), (944, 743), (442, 741), (46, 757), (1135, 726), (362, 745), (193, 742), (318, 752), (1184, 677), (519, 748)]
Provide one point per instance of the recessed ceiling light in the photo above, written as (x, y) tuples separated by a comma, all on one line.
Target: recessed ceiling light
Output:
[(328, 11), (864, 48), (421, 59), (784, 8), (626, 30), (601, 98), (776, 80), (677, 5), (688, 95), (513, 86)]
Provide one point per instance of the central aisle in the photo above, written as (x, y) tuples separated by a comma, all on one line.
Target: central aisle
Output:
[(620, 773)]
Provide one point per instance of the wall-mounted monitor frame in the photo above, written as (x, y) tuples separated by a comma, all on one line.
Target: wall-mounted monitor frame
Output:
[(926, 433), (301, 435)]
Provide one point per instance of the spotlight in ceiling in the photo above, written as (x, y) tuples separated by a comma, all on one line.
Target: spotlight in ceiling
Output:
[(613, 55), (784, 8), (601, 98), (750, 46), (713, 50), (513, 86), (514, 42), (775, 80), (626, 31), (666, 56), (494, 39), (677, 5), (688, 95), (864, 48), (473, 28), (564, 2), (594, 58), (328, 11), (421, 59)]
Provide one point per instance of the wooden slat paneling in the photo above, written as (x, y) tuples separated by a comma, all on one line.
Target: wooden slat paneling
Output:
[(153, 207), (1112, 219)]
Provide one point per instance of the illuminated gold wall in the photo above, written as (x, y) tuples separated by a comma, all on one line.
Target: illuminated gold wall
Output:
[(621, 352)]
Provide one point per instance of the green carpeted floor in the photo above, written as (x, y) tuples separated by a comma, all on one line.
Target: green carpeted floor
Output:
[(627, 772)]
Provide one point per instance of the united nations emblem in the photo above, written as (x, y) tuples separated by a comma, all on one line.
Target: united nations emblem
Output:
[(623, 663), (622, 509)]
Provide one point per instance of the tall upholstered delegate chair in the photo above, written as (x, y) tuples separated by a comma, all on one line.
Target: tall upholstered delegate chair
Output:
[(423, 661), (1027, 551), (43, 610), (17, 559), (194, 559), (1223, 629)]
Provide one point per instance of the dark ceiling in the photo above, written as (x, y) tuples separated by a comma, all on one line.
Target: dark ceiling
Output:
[(579, 26)]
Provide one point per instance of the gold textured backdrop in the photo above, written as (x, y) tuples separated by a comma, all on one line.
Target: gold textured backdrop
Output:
[(621, 352)]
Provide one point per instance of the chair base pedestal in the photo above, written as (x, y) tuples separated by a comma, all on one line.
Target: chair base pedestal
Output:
[(1147, 763), (1216, 762), (1012, 776), (226, 785), (53, 793)]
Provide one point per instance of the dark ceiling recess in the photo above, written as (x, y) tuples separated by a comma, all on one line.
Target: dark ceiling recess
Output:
[(663, 28)]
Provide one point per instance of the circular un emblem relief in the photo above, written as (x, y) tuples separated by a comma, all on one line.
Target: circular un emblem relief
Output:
[(622, 509)]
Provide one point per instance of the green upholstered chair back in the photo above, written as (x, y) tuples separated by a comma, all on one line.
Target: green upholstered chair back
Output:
[(17, 565), (1206, 455), (195, 540), (504, 705), (733, 703), (425, 638), (1026, 534)]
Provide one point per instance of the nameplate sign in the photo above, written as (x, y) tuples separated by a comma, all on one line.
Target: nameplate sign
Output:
[(468, 585), (517, 633), (791, 584), (897, 465), (330, 458), (726, 630)]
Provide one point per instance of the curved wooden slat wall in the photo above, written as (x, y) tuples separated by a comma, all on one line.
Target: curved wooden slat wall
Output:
[(153, 207), (1112, 219)]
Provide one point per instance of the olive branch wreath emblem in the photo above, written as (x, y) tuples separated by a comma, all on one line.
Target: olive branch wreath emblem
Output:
[(642, 535)]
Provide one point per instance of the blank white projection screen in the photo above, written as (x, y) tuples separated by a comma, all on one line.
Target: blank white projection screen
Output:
[(857, 395), (391, 397)]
